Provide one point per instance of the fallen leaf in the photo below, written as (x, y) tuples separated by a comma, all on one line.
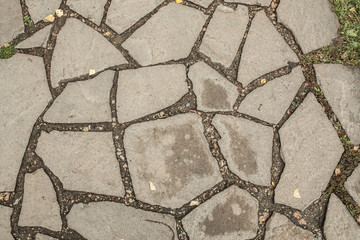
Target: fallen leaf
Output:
[(50, 18), (194, 203), (59, 12), (297, 193), (152, 186), (297, 215), (107, 34), (356, 148), (337, 171), (179, 1), (92, 72), (302, 221)]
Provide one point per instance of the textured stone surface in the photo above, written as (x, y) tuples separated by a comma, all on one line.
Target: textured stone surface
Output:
[(311, 151), (220, 43), (5, 227), (253, 2), (264, 51), (39, 39), (213, 91), (82, 161), (43, 237), (353, 185), (92, 10), (229, 215), (203, 3), (41, 8), (11, 23), (148, 90), (312, 22), (116, 221), (169, 21)]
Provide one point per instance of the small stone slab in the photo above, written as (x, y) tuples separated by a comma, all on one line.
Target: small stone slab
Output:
[(174, 156), (39, 9), (11, 23), (107, 220), (224, 34), (147, 90), (231, 214), (203, 3), (311, 151), (213, 91), (92, 10), (39, 39), (5, 227), (253, 2), (82, 161), (353, 185), (312, 22), (264, 51), (43, 237), (271, 101), (247, 147), (83, 101), (39, 207), (151, 43)]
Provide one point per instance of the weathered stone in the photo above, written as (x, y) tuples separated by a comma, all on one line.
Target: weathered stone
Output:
[(5, 227), (353, 185), (39, 9), (108, 220), (270, 102), (39, 39), (39, 207), (229, 215), (252, 2), (82, 161), (203, 3), (247, 147), (147, 90), (213, 91), (43, 237), (23, 97), (84, 101), (78, 49), (311, 151), (169, 21), (92, 10), (341, 88), (172, 154), (11, 23), (264, 51), (312, 22), (224, 34)]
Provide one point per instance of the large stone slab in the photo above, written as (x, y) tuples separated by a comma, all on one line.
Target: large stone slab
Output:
[(247, 147), (341, 88), (39, 39), (23, 95), (224, 34), (5, 227), (253, 2), (107, 220), (264, 51), (39, 9), (174, 156), (203, 3), (353, 185), (229, 215), (213, 91), (173, 30), (312, 22), (311, 151), (147, 90), (11, 23), (92, 10), (82, 161)]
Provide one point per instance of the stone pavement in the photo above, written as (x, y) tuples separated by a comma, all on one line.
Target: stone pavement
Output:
[(163, 119)]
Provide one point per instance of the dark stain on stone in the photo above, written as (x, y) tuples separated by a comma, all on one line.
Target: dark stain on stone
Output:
[(214, 96)]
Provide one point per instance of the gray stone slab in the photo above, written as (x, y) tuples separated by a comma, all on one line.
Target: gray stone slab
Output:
[(80, 48), (5, 227), (92, 10), (39, 207), (147, 90), (312, 22), (229, 215), (39, 39), (174, 156), (339, 224), (271, 101), (264, 51), (203, 3), (84, 101), (311, 150), (182, 23), (108, 220), (353, 185), (23, 95), (213, 91), (39, 9), (253, 2), (43, 237), (224, 34), (247, 147), (82, 161), (11, 22), (341, 88)]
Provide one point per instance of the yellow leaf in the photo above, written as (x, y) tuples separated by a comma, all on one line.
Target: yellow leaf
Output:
[(50, 18), (179, 1)]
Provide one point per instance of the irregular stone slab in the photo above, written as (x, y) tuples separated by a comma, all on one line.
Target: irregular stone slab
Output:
[(107, 220), (43, 237), (39, 39), (84, 101), (339, 224), (229, 215), (353, 185), (39, 9), (92, 10), (253, 2), (247, 147), (5, 227), (341, 88), (82, 161), (39, 207), (311, 151), (271, 101), (147, 90), (224, 34), (281, 228), (213, 91), (264, 51), (11, 23), (169, 21), (123, 14), (23, 95), (78, 50), (312, 22), (204, 3), (172, 154)]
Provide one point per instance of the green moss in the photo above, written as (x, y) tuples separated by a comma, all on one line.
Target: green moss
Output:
[(7, 52)]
